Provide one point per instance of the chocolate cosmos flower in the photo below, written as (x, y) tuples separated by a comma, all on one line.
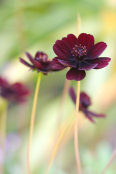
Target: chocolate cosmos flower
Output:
[(80, 54), (41, 63), (15, 92), (84, 103)]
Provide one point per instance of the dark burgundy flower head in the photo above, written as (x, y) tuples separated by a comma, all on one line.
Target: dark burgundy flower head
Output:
[(80, 54), (84, 103), (41, 63), (16, 92)]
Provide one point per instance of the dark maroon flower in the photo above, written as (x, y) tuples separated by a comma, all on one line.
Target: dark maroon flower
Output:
[(16, 92), (84, 103), (80, 54), (41, 63)]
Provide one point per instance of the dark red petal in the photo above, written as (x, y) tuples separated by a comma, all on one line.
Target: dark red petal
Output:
[(37, 64), (75, 74), (72, 40), (41, 54), (72, 94), (97, 50), (3, 82), (25, 63), (102, 62), (29, 57), (62, 49), (65, 39), (68, 63), (56, 64), (90, 118), (85, 99), (96, 115), (55, 59), (20, 88), (20, 91), (64, 46), (88, 115), (87, 66), (86, 40)]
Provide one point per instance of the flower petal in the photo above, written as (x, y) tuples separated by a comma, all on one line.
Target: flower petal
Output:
[(87, 66), (87, 114), (85, 100), (102, 62), (3, 82), (41, 54), (29, 57), (68, 63), (75, 74), (56, 65), (62, 49), (37, 64), (97, 50), (86, 40), (96, 115), (72, 94), (25, 63), (72, 40)]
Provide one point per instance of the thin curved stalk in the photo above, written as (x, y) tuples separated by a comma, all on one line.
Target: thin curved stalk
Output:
[(110, 161), (32, 122), (70, 120), (3, 116), (78, 164)]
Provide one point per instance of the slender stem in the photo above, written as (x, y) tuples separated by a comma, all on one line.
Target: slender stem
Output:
[(78, 164), (3, 116), (60, 133), (76, 131), (67, 82), (110, 161), (56, 147), (32, 121)]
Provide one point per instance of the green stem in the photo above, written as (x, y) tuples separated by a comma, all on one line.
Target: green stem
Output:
[(32, 121), (3, 114), (78, 164), (110, 161), (57, 144)]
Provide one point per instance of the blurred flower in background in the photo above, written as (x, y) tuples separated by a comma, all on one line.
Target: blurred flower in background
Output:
[(1, 156), (13, 143), (84, 103), (16, 92)]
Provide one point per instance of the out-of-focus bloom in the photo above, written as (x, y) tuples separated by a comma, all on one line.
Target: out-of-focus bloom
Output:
[(41, 63), (16, 92), (84, 103), (1, 155), (80, 54), (13, 143)]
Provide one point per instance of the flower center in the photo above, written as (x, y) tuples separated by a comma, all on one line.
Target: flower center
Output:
[(79, 52), (41, 58)]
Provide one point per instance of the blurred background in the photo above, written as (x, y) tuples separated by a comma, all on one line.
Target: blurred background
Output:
[(33, 25)]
